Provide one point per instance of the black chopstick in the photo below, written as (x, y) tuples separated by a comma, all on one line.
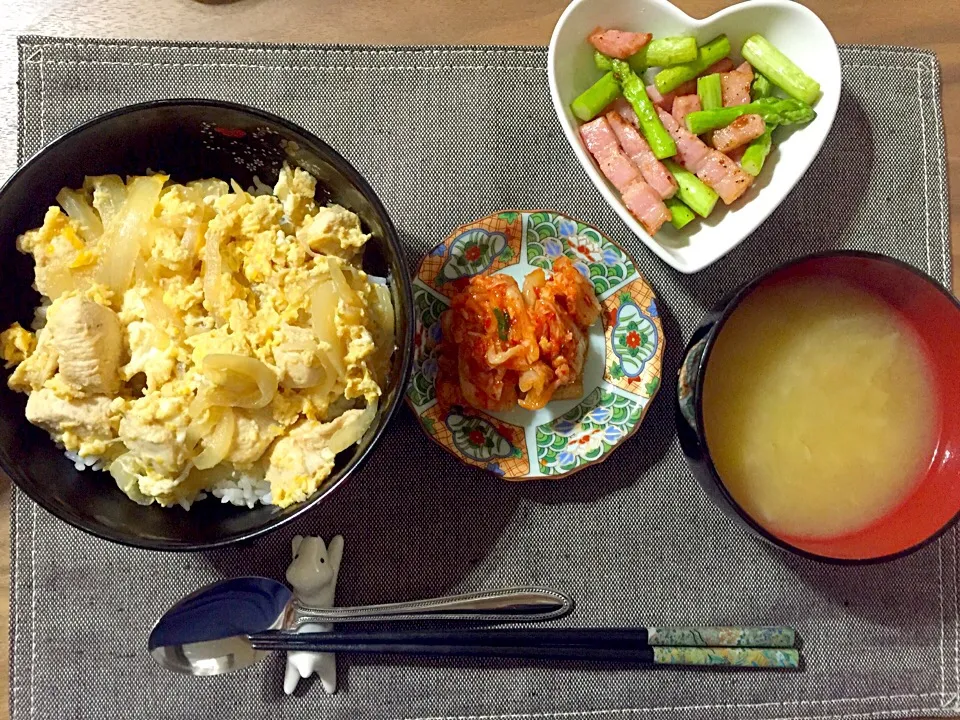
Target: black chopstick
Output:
[(624, 638), (779, 658)]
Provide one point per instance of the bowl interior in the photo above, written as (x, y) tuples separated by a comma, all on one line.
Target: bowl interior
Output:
[(188, 140), (797, 31), (935, 317)]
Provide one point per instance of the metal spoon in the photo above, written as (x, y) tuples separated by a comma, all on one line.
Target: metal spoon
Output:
[(208, 632)]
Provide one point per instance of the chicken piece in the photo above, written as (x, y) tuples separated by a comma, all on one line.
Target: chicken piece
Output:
[(254, 432), (300, 461), (334, 230), (154, 428), (633, 143), (295, 189), (93, 418), (684, 105), (713, 167), (296, 358), (88, 340), (618, 43), (738, 133)]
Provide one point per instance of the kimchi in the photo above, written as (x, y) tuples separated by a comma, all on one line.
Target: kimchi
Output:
[(504, 347)]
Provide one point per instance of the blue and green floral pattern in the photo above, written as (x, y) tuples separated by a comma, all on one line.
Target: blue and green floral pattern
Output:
[(549, 235), (634, 338), (427, 310), (754, 637), (738, 657), (477, 438), (587, 432), (471, 253), (568, 434)]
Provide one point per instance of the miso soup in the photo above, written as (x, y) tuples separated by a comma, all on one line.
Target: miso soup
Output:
[(819, 408)]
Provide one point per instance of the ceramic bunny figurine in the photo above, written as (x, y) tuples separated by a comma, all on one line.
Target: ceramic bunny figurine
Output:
[(313, 576)]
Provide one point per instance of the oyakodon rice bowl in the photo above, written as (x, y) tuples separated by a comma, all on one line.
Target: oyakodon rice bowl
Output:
[(201, 338)]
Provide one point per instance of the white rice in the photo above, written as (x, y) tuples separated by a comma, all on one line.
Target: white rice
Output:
[(92, 462), (241, 488), (40, 314)]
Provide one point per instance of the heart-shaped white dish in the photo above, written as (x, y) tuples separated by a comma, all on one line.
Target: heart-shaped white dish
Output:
[(793, 28)]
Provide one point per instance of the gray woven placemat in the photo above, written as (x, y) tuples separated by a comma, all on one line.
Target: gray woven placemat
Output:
[(446, 135)]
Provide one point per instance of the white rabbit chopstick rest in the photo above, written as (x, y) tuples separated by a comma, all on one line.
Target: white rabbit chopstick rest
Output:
[(313, 576)]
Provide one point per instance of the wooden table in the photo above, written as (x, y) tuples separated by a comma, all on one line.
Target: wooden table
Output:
[(929, 24)]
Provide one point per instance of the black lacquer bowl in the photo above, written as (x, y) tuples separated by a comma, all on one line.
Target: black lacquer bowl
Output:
[(188, 139)]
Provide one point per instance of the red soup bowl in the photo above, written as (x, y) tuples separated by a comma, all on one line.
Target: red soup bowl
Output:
[(934, 314)]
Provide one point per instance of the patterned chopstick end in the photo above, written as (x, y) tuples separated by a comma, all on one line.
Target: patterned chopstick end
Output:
[(780, 658), (744, 637)]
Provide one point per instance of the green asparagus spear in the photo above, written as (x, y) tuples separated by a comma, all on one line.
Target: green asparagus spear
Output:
[(664, 52), (710, 90), (774, 111), (636, 94), (681, 215), (761, 87), (595, 98), (780, 69), (758, 149), (692, 191), (673, 77), (601, 61), (756, 152)]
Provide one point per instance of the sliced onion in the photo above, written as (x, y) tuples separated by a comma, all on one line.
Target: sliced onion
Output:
[(218, 444), (323, 314), (306, 246), (128, 481), (122, 241), (157, 310), (56, 280), (109, 195), (199, 428), (76, 206), (193, 236), (353, 429), (314, 377), (239, 381), (385, 338), (212, 267), (340, 281), (325, 386)]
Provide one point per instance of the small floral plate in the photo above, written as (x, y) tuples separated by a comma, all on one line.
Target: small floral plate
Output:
[(622, 371)]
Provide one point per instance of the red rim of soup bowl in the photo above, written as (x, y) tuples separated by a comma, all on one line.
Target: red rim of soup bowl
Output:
[(933, 313)]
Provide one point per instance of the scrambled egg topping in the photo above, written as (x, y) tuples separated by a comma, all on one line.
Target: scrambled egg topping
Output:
[(193, 335)]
